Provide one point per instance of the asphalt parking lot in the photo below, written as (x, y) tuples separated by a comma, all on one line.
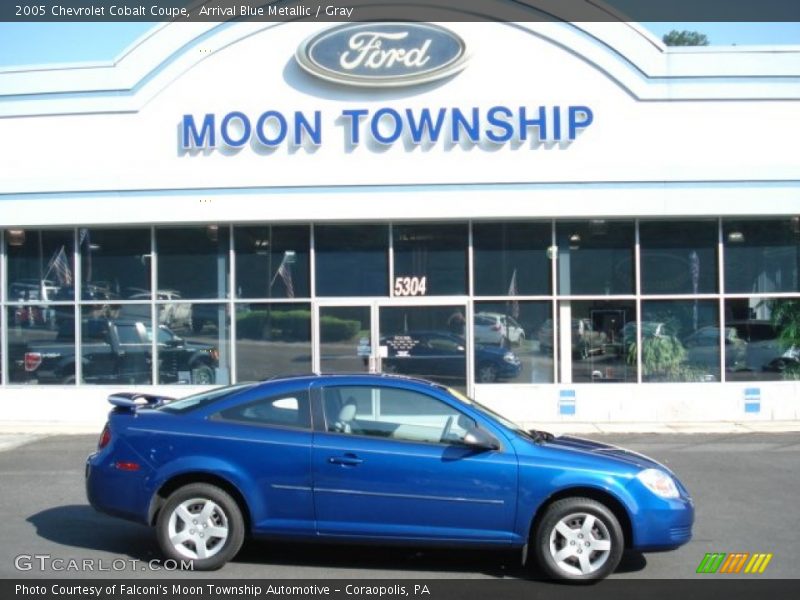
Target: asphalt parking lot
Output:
[(746, 488)]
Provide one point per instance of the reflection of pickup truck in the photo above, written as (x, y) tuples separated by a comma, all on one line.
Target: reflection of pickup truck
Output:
[(116, 351)]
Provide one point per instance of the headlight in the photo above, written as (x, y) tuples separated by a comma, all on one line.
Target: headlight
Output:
[(510, 357), (659, 483)]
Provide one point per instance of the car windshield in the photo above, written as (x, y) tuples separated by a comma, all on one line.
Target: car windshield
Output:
[(199, 400), (486, 411)]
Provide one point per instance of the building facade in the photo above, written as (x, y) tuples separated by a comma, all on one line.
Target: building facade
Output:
[(568, 221)]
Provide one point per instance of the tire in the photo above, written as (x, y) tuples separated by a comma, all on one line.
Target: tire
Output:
[(565, 549), (202, 375), (487, 373), (224, 517)]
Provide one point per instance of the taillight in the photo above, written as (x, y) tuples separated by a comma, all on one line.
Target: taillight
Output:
[(127, 465), (32, 361), (214, 354), (105, 438), (495, 327)]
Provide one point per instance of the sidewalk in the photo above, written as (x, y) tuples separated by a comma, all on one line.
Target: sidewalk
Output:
[(722, 427)]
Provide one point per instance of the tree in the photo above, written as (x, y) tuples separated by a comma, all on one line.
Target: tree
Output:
[(786, 318), (685, 38)]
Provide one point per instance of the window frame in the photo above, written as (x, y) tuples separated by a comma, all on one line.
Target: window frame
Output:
[(218, 416), (324, 425)]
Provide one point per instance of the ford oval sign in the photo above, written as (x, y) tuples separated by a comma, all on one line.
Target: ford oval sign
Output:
[(383, 54)]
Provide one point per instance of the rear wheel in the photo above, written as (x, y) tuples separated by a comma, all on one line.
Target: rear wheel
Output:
[(202, 523), (578, 539)]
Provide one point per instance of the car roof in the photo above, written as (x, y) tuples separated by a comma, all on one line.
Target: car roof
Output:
[(343, 378)]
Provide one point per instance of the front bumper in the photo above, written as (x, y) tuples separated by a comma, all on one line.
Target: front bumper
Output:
[(664, 524)]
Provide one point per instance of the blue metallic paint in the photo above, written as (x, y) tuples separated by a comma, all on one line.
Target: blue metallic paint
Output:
[(375, 488)]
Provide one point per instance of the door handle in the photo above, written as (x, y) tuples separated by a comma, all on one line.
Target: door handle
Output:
[(348, 460)]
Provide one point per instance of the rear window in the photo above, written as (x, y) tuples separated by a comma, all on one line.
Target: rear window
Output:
[(203, 399), (290, 409)]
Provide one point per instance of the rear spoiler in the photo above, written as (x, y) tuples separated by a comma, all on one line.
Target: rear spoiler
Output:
[(130, 401)]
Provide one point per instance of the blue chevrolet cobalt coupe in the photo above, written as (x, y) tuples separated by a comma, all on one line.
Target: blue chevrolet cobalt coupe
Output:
[(375, 458)]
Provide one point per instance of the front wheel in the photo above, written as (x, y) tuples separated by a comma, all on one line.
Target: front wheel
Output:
[(203, 375), (487, 373), (202, 523), (578, 539)]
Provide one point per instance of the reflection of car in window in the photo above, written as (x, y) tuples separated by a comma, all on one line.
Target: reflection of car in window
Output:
[(703, 348), (173, 313), (586, 341), (764, 351), (498, 329), (115, 351), (33, 290), (441, 356)]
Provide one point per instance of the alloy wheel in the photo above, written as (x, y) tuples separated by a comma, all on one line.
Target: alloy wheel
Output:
[(198, 528), (580, 544)]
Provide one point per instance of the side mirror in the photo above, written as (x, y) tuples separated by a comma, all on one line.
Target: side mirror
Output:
[(480, 439)]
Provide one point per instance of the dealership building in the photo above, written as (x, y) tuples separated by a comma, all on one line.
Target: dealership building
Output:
[(569, 221)]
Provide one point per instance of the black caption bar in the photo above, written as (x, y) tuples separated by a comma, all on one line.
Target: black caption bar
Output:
[(339, 589), (420, 10)]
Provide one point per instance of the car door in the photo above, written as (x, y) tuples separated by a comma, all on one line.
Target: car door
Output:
[(384, 466), (135, 356)]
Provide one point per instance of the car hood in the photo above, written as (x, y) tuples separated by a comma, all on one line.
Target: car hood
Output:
[(599, 449), (491, 351)]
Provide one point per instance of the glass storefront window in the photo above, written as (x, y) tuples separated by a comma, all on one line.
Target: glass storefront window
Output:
[(425, 341), (510, 259), (679, 257), (759, 339), (272, 339), (681, 341), (761, 255), (344, 345), (115, 349), (595, 257), (199, 357), (508, 342), (272, 261), (603, 341), (40, 265), (352, 260), (430, 260), (41, 344), (193, 261), (115, 263)]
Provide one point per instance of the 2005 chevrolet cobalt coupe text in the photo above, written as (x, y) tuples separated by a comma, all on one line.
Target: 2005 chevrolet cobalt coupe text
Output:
[(375, 458)]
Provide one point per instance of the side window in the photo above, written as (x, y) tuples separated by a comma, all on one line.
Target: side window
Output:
[(393, 413), (285, 410), (128, 334), (446, 345)]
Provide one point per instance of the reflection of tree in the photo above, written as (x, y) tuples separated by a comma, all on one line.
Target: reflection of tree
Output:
[(663, 358), (685, 38), (786, 318)]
